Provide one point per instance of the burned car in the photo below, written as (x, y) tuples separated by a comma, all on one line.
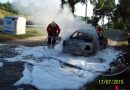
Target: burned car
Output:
[(82, 43)]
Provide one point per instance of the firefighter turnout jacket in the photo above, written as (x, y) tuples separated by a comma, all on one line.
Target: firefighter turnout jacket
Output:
[(53, 31)]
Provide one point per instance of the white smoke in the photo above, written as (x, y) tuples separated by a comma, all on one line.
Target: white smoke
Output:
[(45, 11)]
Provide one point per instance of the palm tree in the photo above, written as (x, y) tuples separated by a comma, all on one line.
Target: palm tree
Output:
[(72, 4), (104, 8)]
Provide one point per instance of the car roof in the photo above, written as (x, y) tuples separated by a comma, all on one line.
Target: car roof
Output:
[(86, 31), (83, 31)]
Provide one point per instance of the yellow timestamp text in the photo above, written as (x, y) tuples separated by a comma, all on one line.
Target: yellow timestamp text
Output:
[(110, 82)]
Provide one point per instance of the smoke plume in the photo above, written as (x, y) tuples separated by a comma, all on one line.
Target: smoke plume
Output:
[(45, 11)]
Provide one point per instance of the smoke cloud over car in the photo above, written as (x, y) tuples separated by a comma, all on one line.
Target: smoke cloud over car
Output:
[(44, 11)]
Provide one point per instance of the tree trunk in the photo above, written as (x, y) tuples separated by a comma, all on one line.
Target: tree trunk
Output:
[(102, 22), (86, 3), (108, 22)]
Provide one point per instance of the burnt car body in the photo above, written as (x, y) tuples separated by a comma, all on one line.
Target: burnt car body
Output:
[(81, 43)]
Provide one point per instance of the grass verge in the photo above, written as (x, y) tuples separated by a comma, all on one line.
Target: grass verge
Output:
[(30, 32)]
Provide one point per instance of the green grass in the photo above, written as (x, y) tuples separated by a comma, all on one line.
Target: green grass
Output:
[(122, 43), (1, 28), (30, 32), (4, 13)]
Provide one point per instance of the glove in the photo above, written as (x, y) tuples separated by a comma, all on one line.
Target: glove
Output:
[(57, 34)]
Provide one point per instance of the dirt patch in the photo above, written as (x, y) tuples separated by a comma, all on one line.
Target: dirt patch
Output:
[(29, 42)]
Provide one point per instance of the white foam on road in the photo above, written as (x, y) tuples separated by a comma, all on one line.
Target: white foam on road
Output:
[(1, 64), (49, 73)]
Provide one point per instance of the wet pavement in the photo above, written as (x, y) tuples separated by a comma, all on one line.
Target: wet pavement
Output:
[(7, 51)]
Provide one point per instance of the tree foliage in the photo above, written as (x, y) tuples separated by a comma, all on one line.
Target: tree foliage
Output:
[(7, 7), (71, 4), (121, 15), (103, 8)]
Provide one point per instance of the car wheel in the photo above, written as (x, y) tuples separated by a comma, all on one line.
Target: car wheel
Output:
[(64, 46), (87, 47), (64, 43)]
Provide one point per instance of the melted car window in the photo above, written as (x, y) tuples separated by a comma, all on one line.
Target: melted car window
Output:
[(75, 35), (81, 36), (85, 37)]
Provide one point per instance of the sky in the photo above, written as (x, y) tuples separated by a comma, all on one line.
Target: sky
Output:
[(80, 9), (6, 0)]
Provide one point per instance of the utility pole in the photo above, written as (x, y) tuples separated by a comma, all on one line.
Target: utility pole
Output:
[(86, 3)]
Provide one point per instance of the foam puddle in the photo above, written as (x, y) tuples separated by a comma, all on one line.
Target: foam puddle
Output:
[(48, 73)]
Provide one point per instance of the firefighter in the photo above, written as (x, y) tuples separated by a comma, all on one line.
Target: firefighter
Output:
[(102, 40), (53, 31), (99, 31)]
